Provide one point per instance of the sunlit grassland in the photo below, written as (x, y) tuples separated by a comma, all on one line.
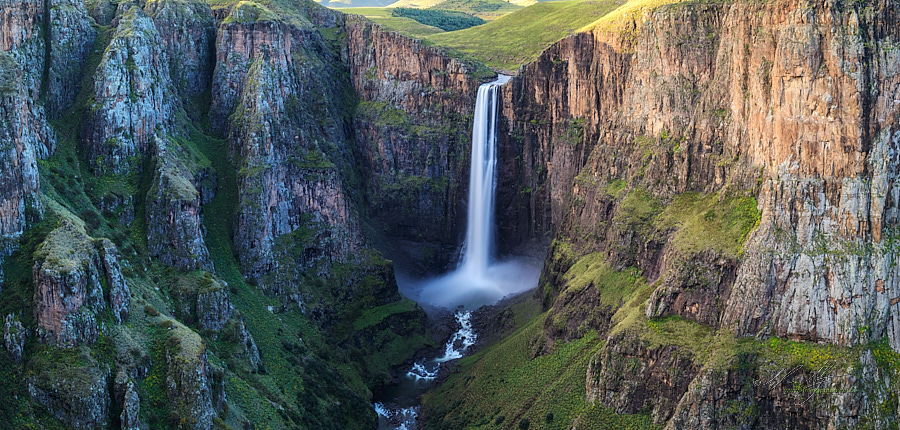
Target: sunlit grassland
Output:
[(382, 16), (519, 37)]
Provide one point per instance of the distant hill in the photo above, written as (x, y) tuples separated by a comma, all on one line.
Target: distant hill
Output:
[(384, 16), (354, 3), (447, 20), (485, 9), (519, 37)]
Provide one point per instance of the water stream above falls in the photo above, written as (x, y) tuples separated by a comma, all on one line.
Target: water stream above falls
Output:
[(479, 279)]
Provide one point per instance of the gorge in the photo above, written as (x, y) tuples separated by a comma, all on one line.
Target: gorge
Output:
[(216, 214)]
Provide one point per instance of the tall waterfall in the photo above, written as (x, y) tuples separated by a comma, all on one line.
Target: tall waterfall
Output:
[(479, 278), (482, 182)]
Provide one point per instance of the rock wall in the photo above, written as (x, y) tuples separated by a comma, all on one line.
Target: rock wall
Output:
[(413, 130), (790, 103), (133, 98), (187, 31), (71, 41), (175, 232), (70, 268), (24, 137), (277, 93), (743, 110)]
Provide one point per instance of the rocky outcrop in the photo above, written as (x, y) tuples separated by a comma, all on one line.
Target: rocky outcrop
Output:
[(131, 408), (203, 299), (51, 39), (213, 308), (187, 31), (119, 295), (133, 98), (285, 127), (71, 40), (24, 137), (674, 117), (73, 387), (631, 377), (69, 270), (695, 288), (188, 378), (793, 104), (237, 333), (22, 36), (14, 336), (762, 394), (175, 232)]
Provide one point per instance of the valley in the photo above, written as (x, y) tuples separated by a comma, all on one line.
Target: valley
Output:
[(266, 214)]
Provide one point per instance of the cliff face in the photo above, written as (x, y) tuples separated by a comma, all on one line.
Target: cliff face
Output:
[(68, 296), (246, 110), (734, 114), (24, 136), (276, 83), (132, 98), (413, 127), (175, 231), (639, 144)]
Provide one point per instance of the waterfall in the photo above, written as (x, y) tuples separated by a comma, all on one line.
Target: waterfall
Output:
[(482, 182), (479, 279)]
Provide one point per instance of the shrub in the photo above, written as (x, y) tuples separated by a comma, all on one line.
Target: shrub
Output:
[(151, 311)]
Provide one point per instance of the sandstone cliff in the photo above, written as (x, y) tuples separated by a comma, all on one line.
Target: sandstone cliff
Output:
[(639, 144)]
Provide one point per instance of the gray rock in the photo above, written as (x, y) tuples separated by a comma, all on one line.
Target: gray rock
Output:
[(14, 336)]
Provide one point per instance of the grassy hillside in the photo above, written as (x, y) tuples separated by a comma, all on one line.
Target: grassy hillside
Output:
[(447, 20), (484, 9), (407, 26), (519, 37), (505, 387)]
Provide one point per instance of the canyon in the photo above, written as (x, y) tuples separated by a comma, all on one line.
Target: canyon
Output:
[(198, 203)]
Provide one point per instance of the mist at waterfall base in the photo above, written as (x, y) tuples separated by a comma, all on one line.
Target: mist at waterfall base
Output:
[(479, 279)]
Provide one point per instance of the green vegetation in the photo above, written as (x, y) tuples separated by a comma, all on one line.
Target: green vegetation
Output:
[(519, 37), (614, 286), (374, 316), (9, 74), (487, 9), (504, 386), (385, 17), (626, 13), (382, 114), (443, 19), (249, 12), (710, 222)]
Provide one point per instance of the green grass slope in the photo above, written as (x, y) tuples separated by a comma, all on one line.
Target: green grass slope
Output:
[(484, 9), (503, 386), (519, 37), (382, 16)]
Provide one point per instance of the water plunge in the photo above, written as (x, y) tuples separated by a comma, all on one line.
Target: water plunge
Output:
[(479, 279)]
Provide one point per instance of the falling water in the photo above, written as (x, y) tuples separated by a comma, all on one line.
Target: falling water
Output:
[(482, 182), (479, 280)]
